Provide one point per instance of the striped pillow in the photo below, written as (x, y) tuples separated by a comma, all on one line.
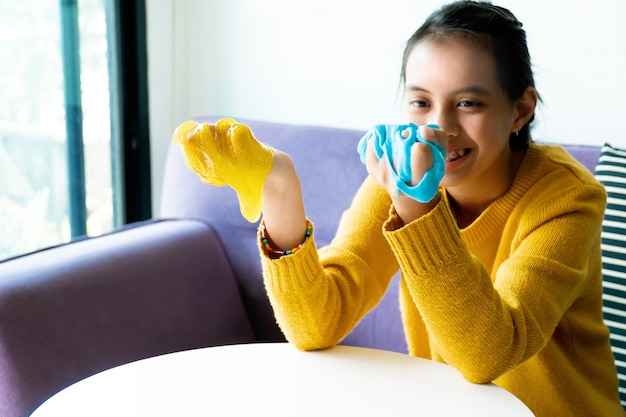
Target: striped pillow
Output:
[(611, 172)]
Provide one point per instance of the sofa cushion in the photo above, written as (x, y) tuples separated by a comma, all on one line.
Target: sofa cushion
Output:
[(611, 172)]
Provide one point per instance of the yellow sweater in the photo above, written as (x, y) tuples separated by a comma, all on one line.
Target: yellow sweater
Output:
[(514, 299)]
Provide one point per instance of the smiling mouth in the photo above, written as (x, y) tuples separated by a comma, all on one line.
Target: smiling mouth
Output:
[(454, 155)]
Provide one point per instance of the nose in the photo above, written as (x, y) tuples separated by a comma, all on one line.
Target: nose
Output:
[(446, 119)]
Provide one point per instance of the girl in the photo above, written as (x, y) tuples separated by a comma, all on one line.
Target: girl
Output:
[(501, 269)]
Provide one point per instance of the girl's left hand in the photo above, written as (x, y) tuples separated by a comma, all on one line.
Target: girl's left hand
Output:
[(227, 153)]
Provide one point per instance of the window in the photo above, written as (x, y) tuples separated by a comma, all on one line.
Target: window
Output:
[(74, 153)]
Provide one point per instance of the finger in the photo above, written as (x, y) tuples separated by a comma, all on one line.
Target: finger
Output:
[(434, 134), (181, 132), (421, 161), (250, 163), (199, 149), (223, 125), (379, 170)]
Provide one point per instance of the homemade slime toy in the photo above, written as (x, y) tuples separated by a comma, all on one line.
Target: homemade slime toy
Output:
[(390, 142), (227, 153)]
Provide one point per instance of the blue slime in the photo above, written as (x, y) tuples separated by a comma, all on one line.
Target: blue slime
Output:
[(390, 143)]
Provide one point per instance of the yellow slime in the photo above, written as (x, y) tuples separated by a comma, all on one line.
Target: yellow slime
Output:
[(227, 153)]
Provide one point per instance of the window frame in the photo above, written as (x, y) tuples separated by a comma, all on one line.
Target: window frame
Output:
[(130, 130)]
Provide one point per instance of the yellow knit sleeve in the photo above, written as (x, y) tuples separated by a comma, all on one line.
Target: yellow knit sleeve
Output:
[(319, 296), (487, 322)]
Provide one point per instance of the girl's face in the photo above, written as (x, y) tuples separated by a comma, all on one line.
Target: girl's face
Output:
[(453, 83)]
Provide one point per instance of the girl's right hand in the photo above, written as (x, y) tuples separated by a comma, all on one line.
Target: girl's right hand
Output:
[(421, 160)]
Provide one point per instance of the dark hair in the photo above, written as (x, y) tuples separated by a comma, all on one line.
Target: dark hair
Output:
[(499, 32)]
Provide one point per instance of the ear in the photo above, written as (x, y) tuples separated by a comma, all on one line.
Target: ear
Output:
[(525, 108)]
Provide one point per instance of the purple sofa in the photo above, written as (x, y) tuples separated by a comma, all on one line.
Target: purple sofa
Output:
[(186, 280)]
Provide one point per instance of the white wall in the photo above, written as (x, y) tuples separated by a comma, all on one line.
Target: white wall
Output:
[(337, 63)]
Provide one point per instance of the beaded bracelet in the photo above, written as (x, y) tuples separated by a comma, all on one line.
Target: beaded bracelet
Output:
[(277, 253)]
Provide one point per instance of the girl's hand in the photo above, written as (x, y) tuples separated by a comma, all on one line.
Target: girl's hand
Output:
[(228, 154), (421, 159)]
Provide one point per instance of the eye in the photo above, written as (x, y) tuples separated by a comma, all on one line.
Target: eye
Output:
[(468, 103), (418, 103)]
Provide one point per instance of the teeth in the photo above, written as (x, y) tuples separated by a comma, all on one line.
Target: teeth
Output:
[(451, 156)]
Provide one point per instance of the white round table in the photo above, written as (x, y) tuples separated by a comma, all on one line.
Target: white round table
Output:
[(276, 379)]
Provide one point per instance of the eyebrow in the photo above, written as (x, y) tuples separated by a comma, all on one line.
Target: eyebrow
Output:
[(475, 89)]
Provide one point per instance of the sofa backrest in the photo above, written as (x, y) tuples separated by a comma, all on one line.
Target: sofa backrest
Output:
[(588, 155)]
